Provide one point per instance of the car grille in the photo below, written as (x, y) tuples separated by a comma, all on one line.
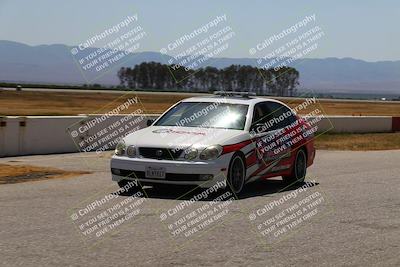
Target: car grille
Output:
[(160, 153)]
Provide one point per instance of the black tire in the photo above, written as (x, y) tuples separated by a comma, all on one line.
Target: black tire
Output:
[(299, 170), (237, 174)]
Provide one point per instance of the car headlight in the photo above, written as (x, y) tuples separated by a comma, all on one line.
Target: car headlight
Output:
[(191, 153), (131, 151), (211, 152), (120, 148)]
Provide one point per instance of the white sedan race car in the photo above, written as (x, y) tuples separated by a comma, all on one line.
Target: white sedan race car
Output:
[(228, 138)]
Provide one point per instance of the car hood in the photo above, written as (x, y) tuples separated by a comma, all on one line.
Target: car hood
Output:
[(183, 137)]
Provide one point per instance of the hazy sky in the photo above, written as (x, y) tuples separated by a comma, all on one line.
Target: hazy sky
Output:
[(363, 29)]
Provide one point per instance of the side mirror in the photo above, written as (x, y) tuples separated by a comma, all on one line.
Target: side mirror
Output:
[(149, 122)]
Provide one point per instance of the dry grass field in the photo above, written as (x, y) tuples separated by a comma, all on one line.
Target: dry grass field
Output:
[(26, 103), (360, 142)]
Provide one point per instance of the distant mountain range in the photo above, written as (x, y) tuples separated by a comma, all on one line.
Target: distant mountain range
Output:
[(55, 64)]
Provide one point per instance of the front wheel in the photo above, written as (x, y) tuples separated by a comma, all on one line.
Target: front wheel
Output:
[(299, 169), (237, 174)]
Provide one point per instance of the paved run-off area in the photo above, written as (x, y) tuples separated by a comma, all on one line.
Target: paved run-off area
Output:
[(357, 223)]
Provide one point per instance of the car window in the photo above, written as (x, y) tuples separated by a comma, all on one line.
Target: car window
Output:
[(206, 115), (280, 111), (260, 113), (273, 115)]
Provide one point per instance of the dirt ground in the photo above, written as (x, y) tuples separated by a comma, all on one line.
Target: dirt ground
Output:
[(11, 174)]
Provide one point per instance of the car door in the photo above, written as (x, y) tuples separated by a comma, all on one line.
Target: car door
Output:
[(270, 126)]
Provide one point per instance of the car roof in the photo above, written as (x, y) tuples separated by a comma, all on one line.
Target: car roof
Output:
[(231, 99)]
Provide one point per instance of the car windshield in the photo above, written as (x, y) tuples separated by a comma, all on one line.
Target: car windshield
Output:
[(206, 115)]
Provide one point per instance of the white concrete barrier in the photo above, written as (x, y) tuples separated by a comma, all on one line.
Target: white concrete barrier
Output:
[(49, 134), (36, 135), (52, 134)]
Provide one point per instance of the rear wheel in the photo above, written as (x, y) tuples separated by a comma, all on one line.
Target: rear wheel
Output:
[(299, 169), (237, 174)]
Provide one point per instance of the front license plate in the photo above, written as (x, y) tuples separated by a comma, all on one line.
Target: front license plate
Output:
[(155, 172)]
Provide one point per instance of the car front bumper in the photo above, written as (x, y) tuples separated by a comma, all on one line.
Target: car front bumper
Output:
[(177, 172)]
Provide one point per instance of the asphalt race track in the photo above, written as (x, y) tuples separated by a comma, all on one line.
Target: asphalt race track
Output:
[(357, 223)]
